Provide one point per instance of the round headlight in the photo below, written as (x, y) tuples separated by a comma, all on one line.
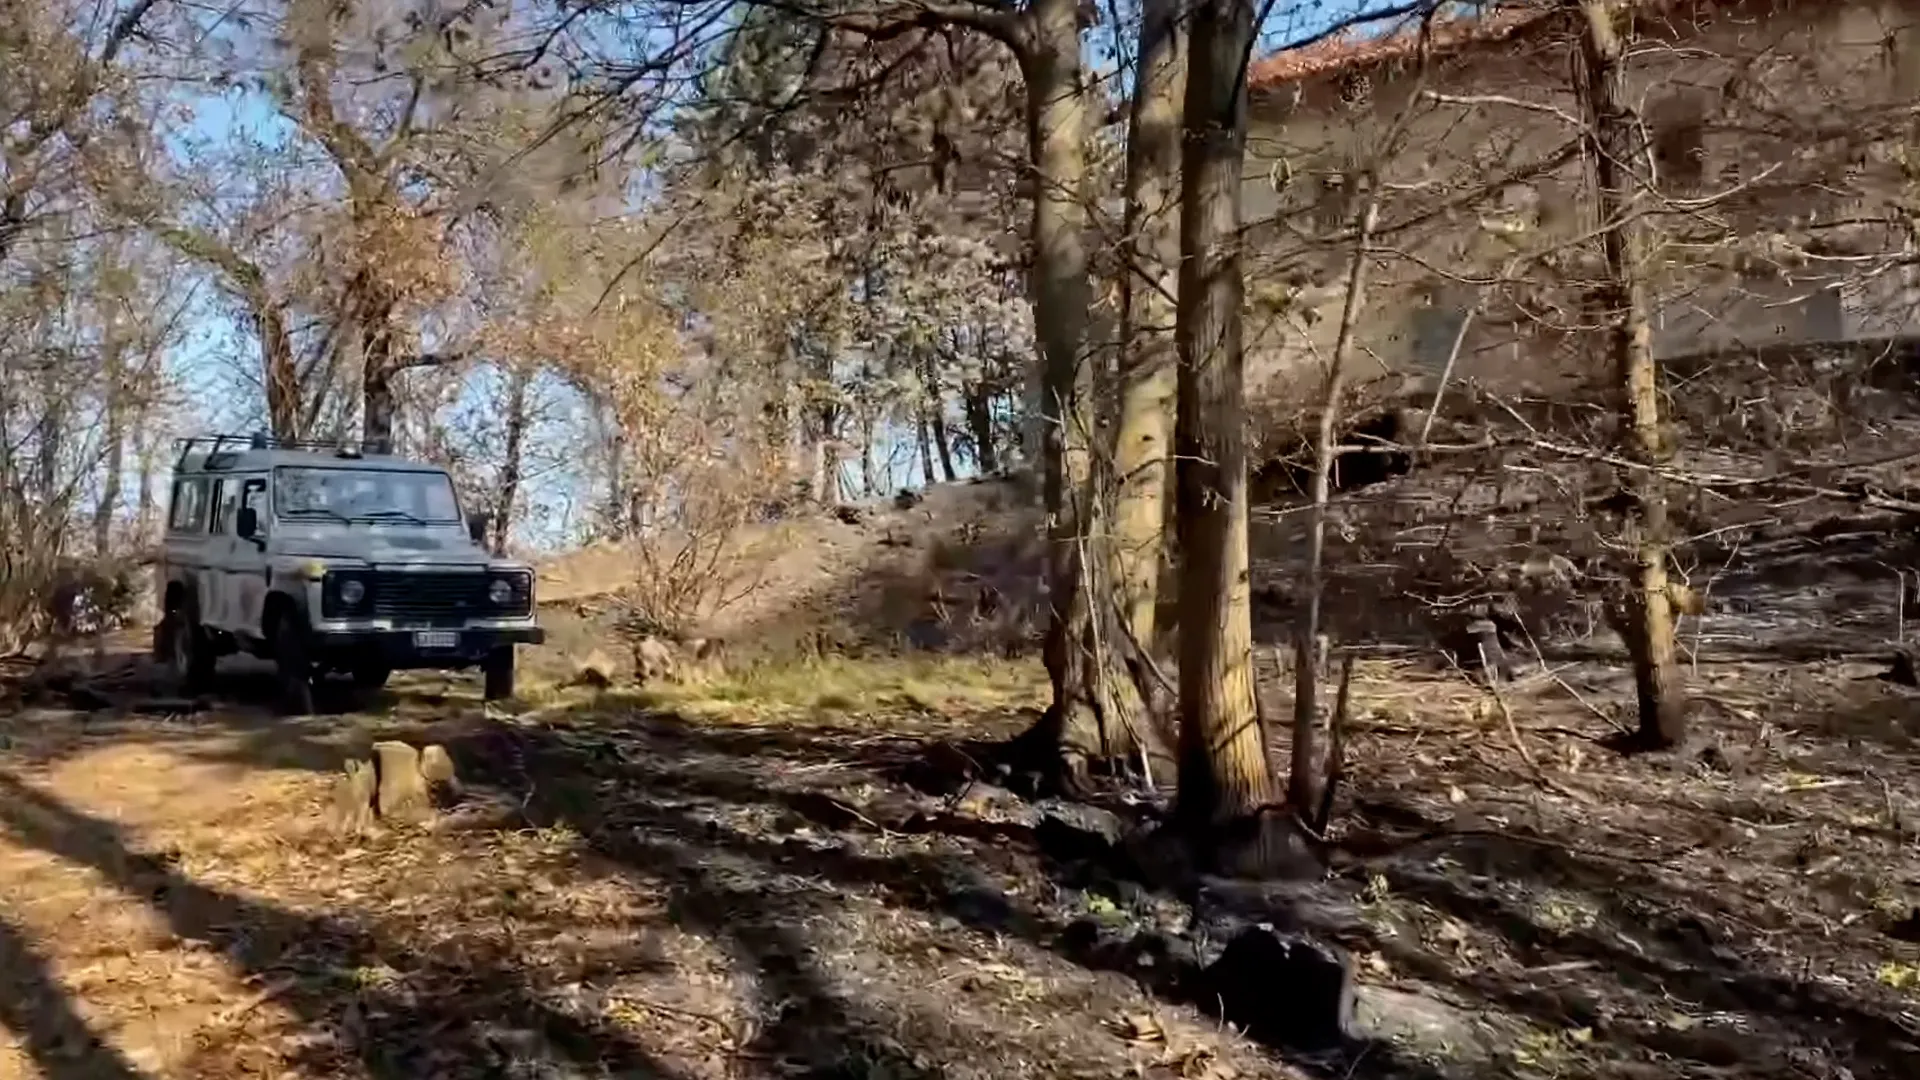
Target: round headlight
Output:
[(352, 592), (500, 592)]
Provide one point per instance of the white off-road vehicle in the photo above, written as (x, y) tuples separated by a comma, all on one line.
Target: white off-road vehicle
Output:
[(326, 560)]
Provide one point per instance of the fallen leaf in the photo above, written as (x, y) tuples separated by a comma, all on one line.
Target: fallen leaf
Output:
[(1455, 795), (1140, 1028)]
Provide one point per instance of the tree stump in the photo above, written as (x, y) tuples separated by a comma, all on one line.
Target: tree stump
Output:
[(402, 793), (437, 771), (353, 797)]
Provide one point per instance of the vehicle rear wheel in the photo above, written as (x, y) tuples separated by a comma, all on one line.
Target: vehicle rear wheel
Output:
[(498, 669), (294, 668), (371, 676)]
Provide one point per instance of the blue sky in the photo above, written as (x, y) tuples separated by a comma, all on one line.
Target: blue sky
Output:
[(204, 362)]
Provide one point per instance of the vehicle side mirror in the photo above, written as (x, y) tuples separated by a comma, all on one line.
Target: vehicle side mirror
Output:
[(247, 524), (477, 527)]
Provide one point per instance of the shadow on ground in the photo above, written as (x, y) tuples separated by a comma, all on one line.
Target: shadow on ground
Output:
[(762, 832), (454, 1015), (448, 1017), (765, 838), (36, 1009)]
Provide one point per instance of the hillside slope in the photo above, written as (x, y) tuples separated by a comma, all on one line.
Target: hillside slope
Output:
[(957, 570)]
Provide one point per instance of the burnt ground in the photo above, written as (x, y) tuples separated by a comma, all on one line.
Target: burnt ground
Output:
[(739, 880)]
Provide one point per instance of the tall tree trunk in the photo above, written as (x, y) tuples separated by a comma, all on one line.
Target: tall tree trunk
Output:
[(869, 468), (827, 458), (1224, 772), (1057, 132), (615, 511), (145, 507), (925, 441), (281, 379), (1647, 622), (511, 457), (379, 366), (114, 372), (979, 406), (1149, 353), (779, 414), (1308, 768), (826, 449), (936, 415)]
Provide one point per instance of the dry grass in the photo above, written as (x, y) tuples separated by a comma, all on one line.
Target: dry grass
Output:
[(949, 687)]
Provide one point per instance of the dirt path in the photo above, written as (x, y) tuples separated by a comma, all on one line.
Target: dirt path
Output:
[(737, 881), (172, 904)]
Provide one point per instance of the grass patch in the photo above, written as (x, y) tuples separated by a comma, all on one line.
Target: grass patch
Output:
[(858, 686)]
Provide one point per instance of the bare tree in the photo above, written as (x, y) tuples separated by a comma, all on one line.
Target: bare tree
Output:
[(1647, 623)]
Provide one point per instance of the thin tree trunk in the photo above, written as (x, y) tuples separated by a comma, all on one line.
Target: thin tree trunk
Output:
[(979, 405), (826, 452), (942, 442), (116, 449), (780, 413), (827, 468), (512, 457), (616, 447), (53, 429), (1648, 621), (144, 503), (1224, 772), (1149, 353), (869, 478), (1057, 131), (936, 415), (926, 447), (1308, 774)]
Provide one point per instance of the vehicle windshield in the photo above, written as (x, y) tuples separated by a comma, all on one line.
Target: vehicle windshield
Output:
[(424, 498)]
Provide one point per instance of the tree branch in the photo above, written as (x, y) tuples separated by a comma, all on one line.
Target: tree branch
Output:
[(885, 21), (314, 64)]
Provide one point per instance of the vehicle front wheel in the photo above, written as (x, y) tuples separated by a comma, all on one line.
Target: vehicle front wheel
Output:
[(498, 668), (294, 668), (188, 654)]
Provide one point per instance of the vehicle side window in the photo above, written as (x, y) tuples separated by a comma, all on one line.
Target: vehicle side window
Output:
[(226, 500), (189, 505), (254, 496)]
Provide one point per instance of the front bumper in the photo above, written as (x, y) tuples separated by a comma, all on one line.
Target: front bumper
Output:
[(415, 649)]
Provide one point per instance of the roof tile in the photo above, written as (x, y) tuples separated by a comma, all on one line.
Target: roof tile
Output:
[(1348, 50)]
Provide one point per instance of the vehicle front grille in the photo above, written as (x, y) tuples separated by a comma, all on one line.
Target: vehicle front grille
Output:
[(430, 598), (423, 596)]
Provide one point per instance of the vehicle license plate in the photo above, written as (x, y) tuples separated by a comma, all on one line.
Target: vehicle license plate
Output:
[(436, 639)]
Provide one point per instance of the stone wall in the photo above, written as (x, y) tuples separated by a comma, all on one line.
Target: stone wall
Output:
[(1778, 143)]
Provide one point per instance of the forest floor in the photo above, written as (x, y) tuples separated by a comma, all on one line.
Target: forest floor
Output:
[(737, 879)]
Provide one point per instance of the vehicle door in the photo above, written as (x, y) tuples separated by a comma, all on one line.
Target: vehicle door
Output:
[(249, 564), (187, 537), (218, 607)]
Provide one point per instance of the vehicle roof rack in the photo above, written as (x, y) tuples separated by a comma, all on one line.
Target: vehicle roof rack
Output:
[(221, 451)]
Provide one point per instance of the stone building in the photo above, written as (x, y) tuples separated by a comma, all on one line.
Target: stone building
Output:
[(1782, 144)]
